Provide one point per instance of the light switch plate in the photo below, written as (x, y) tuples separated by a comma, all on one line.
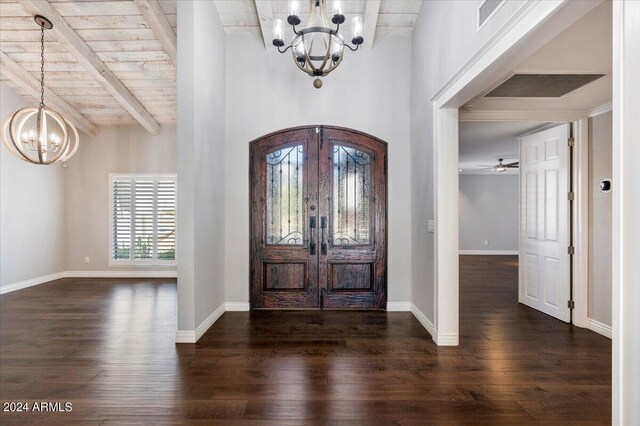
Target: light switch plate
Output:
[(431, 226)]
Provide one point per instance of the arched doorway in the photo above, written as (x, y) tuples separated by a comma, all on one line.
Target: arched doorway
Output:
[(318, 220)]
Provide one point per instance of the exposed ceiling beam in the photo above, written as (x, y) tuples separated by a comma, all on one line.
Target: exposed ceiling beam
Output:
[(75, 45), (371, 12), (21, 77), (157, 20), (265, 16)]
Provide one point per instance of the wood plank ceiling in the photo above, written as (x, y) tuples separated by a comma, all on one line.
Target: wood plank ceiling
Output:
[(112, 62), (129, 49), (388, 16)]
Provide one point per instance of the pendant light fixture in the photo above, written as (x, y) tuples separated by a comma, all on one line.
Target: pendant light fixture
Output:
[(317, 48), (40, 135)]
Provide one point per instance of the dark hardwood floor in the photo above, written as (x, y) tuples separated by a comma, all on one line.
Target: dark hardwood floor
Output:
[(107, 346)]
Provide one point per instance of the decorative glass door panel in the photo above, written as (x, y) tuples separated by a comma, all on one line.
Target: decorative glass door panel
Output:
[(285, 169), (318, 220), (351, 196)]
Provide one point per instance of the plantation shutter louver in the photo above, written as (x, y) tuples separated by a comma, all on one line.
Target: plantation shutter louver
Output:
[(121, 219), (166, 236), (144, 219)]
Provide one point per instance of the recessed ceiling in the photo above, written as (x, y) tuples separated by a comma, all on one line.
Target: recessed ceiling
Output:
[(541, 85)]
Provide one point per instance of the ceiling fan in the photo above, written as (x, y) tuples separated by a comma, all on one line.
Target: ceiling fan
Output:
[(501, 167)]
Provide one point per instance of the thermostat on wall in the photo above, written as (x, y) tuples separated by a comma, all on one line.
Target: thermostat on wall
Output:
[(605, 185)]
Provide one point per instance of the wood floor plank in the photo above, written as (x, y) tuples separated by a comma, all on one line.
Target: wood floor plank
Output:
[(107, 346)]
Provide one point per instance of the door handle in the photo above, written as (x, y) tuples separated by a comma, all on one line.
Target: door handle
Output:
[(312, 230), (323, 227)]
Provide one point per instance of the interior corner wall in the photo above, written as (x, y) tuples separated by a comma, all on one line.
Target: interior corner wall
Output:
[(369, 92), (200, 163), (115, 149), (600, 218), (32, 211), (489, 211)]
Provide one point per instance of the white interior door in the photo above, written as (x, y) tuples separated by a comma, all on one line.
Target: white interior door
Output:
[(544, 222)]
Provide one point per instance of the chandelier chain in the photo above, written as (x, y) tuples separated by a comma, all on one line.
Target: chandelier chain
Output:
[(42, 67)]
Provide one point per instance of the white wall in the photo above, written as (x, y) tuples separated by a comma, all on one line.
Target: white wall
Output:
[(123, 149), (368, 92), (489, 212), (600, 223), (444, 38), (201, 156), (32, 211)]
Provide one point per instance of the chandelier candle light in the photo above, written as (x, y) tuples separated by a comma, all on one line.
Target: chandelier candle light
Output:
[(40, 135), (317, 48)]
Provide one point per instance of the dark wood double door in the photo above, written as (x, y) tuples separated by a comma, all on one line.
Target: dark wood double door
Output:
[(318, 220)]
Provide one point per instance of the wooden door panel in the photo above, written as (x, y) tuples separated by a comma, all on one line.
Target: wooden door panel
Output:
[(284, 192), (285, 276), (351, 276), (352, 265)]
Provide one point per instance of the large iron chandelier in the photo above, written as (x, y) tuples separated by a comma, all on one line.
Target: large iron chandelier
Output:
[(317, 48), (40, 135)]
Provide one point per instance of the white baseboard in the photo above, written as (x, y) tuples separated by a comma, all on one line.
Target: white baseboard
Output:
[(236, 306), (122, 274), (422, 318), (86, 274), (398, 306), (439, 339), (448, 340), (32, 282), (206, 324), (192, 336), (185, 336), (600, 328), (489, 252)]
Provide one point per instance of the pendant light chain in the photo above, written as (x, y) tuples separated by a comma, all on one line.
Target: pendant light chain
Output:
[(42, 67), (38, 134)]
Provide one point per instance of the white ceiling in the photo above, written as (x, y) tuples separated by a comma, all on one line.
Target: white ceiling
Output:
[(483, 142)]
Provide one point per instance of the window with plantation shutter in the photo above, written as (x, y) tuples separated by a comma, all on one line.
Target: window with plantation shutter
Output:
[(143, 219)]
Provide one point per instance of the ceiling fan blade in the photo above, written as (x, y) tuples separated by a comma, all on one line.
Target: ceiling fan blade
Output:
[(514, 164)]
